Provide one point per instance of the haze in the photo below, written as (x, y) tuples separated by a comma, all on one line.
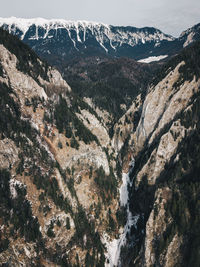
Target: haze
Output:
[(170, 16)]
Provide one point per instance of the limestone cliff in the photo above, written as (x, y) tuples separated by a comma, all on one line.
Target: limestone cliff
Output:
[(165, 179), (58, 181)]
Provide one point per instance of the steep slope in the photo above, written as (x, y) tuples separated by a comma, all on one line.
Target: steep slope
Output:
[(190, 35), (58, 180), (105, 83), (164, 184)]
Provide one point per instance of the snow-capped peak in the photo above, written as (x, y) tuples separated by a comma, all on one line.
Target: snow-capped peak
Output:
[(78, 33), (23, 24), (130, 35)]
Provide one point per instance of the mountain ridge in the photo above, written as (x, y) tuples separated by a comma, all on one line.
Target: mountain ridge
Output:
[(83, 38), (24, 23), (59, 40)]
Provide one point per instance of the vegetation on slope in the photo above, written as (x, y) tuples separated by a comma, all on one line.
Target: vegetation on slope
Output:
[(181, 176), (109, 82), (22, 219), (25, 55), (191, 56)]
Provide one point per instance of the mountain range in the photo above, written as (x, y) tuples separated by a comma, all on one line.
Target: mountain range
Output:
[(61, 40)]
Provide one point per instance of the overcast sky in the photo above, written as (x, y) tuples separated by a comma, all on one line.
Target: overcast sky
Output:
[(170, 16)]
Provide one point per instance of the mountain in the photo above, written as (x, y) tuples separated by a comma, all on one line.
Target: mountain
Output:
[(60, 40), (71, 193), (58, 182), (164, 184), (86, 55), (190, 35)]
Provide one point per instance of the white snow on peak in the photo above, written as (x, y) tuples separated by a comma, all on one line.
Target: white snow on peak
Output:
[(24, 24), (41, 22), (152, 59)]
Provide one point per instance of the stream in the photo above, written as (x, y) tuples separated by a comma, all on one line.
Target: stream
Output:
[(114, 247)]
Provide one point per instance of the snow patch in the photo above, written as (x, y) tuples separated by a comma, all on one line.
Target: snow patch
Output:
[(114, 246), (152, 59), (124, 189), (13, 183)]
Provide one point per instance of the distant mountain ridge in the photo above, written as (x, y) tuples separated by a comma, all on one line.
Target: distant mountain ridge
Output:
[(117, 35), (59, 40), (67, 38)]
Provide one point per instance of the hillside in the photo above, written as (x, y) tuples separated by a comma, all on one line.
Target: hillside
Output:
[(57, 183), (110, 84), (164, 184)]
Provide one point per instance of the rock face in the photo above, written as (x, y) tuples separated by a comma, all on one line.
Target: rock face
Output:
[(165, 180), (58, 181), (190, 35), (8, 153)]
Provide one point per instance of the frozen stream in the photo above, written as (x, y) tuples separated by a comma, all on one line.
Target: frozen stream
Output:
[(114, 247)]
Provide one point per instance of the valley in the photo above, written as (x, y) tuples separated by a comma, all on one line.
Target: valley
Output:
[(99, 153)]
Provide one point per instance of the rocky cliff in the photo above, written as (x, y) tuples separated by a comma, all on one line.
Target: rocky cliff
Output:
[(164, 190), (58, 181)]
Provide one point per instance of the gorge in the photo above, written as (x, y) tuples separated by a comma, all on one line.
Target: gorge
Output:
[(103, 169)]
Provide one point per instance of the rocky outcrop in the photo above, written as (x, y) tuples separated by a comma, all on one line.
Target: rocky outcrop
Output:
[(8, 153)]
